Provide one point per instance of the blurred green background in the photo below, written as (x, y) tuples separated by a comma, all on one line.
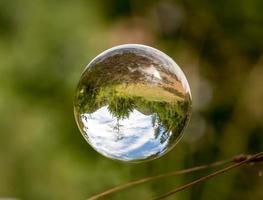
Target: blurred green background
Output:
[(44, 47)]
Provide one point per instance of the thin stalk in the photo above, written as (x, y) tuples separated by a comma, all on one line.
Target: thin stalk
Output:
[(254, 157), (160, 176), (237, 160)]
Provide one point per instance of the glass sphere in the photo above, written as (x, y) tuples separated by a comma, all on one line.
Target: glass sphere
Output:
[(132, 103)]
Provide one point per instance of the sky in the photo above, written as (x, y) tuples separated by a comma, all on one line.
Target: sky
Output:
[(134, 140)]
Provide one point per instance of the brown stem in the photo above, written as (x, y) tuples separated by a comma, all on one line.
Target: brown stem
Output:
[(244, 160), (151, 178), (236, 159)]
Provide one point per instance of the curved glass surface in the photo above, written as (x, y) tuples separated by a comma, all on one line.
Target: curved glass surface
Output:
[(132, 103)]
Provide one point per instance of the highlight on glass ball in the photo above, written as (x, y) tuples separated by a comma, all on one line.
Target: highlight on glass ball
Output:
[(132, 103)]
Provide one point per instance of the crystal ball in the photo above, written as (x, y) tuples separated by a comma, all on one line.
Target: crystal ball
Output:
[(132, 103)]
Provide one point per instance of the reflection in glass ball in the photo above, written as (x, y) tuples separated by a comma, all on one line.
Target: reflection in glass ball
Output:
[(132, 103)]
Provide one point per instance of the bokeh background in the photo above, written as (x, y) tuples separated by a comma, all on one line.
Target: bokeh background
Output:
[(44, 47)]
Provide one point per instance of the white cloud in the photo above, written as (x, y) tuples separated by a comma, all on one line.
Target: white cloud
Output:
[(134, 140)]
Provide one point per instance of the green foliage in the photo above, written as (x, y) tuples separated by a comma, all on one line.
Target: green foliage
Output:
[(44, 46)]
